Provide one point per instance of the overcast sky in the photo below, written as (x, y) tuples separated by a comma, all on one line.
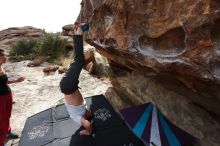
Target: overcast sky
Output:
[(50, 15)]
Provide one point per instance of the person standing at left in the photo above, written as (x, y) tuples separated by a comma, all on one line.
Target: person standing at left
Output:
[(5, 102)]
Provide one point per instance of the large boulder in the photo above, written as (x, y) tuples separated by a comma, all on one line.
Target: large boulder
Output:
[(11, 35), (174, 43), (173, 38)]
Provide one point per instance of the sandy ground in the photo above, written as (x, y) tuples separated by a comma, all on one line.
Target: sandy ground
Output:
[(39, 92)]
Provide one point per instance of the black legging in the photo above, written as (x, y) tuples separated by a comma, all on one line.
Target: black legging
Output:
[(69, 82)]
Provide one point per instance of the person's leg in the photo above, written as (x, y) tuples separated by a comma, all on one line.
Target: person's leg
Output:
[(69, 86), (2, 123), (10, 134), (5, 109)]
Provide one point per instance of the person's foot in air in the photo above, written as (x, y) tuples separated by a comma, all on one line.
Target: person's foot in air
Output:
[(83, 27)]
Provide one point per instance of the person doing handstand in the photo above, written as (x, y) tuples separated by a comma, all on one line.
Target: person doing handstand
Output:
[(74, 101)]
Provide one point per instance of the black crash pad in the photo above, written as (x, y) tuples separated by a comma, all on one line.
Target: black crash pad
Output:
[(53, 127)]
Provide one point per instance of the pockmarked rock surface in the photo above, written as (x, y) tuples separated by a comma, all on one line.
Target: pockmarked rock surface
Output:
[(174, 44)]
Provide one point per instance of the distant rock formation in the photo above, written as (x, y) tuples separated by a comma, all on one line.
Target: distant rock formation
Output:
[(171, 50), (11, 35)]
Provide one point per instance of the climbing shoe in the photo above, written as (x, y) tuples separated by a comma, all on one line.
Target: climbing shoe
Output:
[(84, 26)]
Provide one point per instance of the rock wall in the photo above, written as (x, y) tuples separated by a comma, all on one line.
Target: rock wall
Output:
[(11, 35), (171, 51)]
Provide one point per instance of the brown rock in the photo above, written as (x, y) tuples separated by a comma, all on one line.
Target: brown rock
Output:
[(89, 54), (90, 67), (115, 99), (69, 42), (35, 62), (50, 69), (11, 35), (62, 70), (68, 27), (175, 38), (175, 42), (67, 30)]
